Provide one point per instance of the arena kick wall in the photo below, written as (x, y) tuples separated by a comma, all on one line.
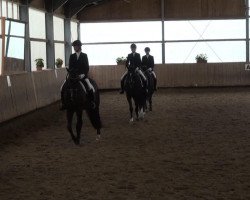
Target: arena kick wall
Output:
[(26, 92), (180, 75)]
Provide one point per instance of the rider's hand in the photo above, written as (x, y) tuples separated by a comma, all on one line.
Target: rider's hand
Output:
[(81, 76)]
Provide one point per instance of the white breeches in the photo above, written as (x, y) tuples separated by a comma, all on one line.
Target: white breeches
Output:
[(91, 87), (124, 75), (141, 73), (153, 74)]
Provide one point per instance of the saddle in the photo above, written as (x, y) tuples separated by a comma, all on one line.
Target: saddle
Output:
[(131, 78), (75, 91)]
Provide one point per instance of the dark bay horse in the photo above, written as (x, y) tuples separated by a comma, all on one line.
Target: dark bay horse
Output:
[(76, 100), (135, 91), (151, 89)]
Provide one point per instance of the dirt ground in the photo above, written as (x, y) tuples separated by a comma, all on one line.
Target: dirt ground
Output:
[(194, 145)]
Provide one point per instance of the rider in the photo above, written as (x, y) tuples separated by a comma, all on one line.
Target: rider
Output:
[(133, 63), (148, 64), (79, 63)]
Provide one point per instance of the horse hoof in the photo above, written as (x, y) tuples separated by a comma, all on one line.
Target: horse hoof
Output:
[(131, 120), (77, 142), (98, 137), (141, 116)]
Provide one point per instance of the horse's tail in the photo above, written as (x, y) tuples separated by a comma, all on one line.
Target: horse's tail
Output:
[(150, 83), (94, 114), (94, 117)]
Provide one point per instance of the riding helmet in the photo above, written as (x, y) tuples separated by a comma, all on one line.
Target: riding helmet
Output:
[(133, 45), (77, 43)]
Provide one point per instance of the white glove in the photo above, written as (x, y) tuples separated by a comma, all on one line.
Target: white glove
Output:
[(81, 76)]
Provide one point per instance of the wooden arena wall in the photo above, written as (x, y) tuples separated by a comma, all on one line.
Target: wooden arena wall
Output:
[(114, 10), (180, 75), (30, 91)]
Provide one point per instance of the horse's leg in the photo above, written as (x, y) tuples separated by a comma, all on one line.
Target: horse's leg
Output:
[(145, 106), (98, 137), (129, 98), (70, 114), (79, 126), (150, 103), (137, 110)]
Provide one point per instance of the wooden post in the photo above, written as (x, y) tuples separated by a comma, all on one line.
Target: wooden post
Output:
[(7, 11), (67, 40), (50, 46), (3, 44), (247, 31), (163, 30), (12, 5), (1, 8)]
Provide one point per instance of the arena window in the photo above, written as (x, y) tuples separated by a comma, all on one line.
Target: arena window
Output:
[(59, 38), (37, 36), (9, 10), (112, 40), (107, 54), (222, 51), (15, 32), (221, 40)]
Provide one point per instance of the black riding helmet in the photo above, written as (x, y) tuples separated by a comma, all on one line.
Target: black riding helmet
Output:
[(147, 49), (77, 43), (133, 46)]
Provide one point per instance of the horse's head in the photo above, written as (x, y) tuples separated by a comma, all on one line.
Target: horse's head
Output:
[(76, 94), (133, 80)]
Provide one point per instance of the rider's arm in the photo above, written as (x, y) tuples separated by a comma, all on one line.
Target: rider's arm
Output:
[(153, 62), (127, 62), (140, 62), (86, 65)]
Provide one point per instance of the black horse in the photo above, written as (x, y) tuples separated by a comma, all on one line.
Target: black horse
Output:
[(134, 90), (76, 100), (150, 87)]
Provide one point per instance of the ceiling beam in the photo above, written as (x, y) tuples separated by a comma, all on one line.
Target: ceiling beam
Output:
[(48, 5), (24, 2), (72, 7), (58, 4)]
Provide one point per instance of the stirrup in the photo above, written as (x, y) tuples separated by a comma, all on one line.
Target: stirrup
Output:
[(92, 104)]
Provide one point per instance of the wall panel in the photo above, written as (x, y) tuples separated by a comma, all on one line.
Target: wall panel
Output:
[(29, 91), (122, 10), (114, 10)]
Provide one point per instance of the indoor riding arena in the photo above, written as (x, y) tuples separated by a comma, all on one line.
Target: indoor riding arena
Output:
[(193, 145)]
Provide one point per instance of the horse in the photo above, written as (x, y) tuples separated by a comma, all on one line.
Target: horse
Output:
[(135, 91), (76, 100), (150, 88)]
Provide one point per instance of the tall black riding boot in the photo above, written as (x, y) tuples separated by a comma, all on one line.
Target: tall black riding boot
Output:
[(122, 87), (155, 84), (63, 106), (145, 85), (91, 98)]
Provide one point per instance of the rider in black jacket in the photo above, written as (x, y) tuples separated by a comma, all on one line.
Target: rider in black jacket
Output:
[(148, 64), (133, 63), (78, 62)]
